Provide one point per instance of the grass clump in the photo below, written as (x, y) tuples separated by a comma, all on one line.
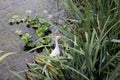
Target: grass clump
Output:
[(93, 36)]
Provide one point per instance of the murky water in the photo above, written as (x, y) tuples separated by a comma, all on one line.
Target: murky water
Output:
[(9, 41)]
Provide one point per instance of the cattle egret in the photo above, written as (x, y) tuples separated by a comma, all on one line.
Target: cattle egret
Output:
[(56, 51)]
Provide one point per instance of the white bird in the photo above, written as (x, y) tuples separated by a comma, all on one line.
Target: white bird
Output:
[(56, 51)]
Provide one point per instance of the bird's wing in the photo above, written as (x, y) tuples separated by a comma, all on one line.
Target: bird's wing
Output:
[(55, 52)]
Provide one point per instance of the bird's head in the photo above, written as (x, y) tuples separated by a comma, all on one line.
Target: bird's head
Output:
[(57, 37)]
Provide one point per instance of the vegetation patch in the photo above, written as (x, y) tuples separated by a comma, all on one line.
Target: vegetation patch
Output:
[(95, 35), (42, 31)]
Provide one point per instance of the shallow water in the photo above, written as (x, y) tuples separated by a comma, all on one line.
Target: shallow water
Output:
[(10, 41)]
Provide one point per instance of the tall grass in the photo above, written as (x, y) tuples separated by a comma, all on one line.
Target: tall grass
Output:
[(95, 53), (93, 35)]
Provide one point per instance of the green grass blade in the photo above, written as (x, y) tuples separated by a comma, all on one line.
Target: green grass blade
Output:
[(77, 72), (5, 55), (111, 59), (115, 73), (18, 75), (70, 4)]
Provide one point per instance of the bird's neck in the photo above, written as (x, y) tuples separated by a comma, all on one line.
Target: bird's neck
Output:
[(56, 44)]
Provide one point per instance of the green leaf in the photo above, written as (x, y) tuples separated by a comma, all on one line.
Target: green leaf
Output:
[(25, 39), (31, 44)]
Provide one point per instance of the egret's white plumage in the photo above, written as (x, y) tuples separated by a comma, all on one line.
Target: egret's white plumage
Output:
[(56, 51)]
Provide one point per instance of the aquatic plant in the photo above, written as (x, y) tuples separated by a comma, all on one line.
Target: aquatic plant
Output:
[(41, 27)]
